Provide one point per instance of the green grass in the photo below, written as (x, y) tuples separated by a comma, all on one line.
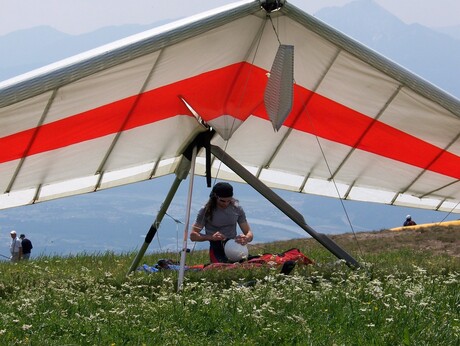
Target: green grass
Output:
[(406, 293)]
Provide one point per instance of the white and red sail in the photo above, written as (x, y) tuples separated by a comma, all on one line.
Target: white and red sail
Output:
[(359, 123)]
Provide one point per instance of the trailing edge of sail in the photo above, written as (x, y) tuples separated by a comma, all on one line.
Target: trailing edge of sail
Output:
[(123, 113)]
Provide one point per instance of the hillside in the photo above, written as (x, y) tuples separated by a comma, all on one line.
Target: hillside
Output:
[(408, 284), (436, 240), (432, 241)]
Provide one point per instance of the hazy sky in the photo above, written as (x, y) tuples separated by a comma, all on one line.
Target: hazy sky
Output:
[(77, 16)]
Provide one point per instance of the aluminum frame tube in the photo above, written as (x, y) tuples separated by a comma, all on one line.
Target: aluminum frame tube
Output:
[(180, 279)]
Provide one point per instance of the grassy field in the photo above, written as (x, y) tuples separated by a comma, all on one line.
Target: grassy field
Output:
[(406, 293)]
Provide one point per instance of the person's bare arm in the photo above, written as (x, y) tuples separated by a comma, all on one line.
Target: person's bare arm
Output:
[(196, 235), (247, 235)]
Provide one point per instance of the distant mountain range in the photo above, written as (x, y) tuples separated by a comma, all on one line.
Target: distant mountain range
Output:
[(123, 215), (452, 31), (24, 50)]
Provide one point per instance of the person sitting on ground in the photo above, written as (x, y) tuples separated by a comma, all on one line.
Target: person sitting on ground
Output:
[(219, 218), (409, 221), (26, 247)]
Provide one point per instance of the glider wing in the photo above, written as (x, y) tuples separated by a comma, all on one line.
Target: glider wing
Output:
[(360, 127)]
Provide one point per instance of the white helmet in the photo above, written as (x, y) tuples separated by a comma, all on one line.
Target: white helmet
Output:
[(408, 217), (235, 252)]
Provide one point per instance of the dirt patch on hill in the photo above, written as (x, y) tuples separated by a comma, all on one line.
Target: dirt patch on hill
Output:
[(435, 239)]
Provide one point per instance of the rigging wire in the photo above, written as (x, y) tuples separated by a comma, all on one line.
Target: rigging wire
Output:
[(450, 212), (177, 221), (337, 190), (174, 219), (274, 29)]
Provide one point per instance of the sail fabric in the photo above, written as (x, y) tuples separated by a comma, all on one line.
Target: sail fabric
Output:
[(360, 128)]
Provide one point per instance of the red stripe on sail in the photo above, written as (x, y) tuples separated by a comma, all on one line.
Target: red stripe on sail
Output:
[(236, 90)]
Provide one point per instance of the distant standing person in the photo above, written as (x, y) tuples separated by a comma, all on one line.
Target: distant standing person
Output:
[(15, 247), (409, 221), (26, 247)]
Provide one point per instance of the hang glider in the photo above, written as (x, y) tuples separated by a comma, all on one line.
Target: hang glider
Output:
[(359, 127)]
